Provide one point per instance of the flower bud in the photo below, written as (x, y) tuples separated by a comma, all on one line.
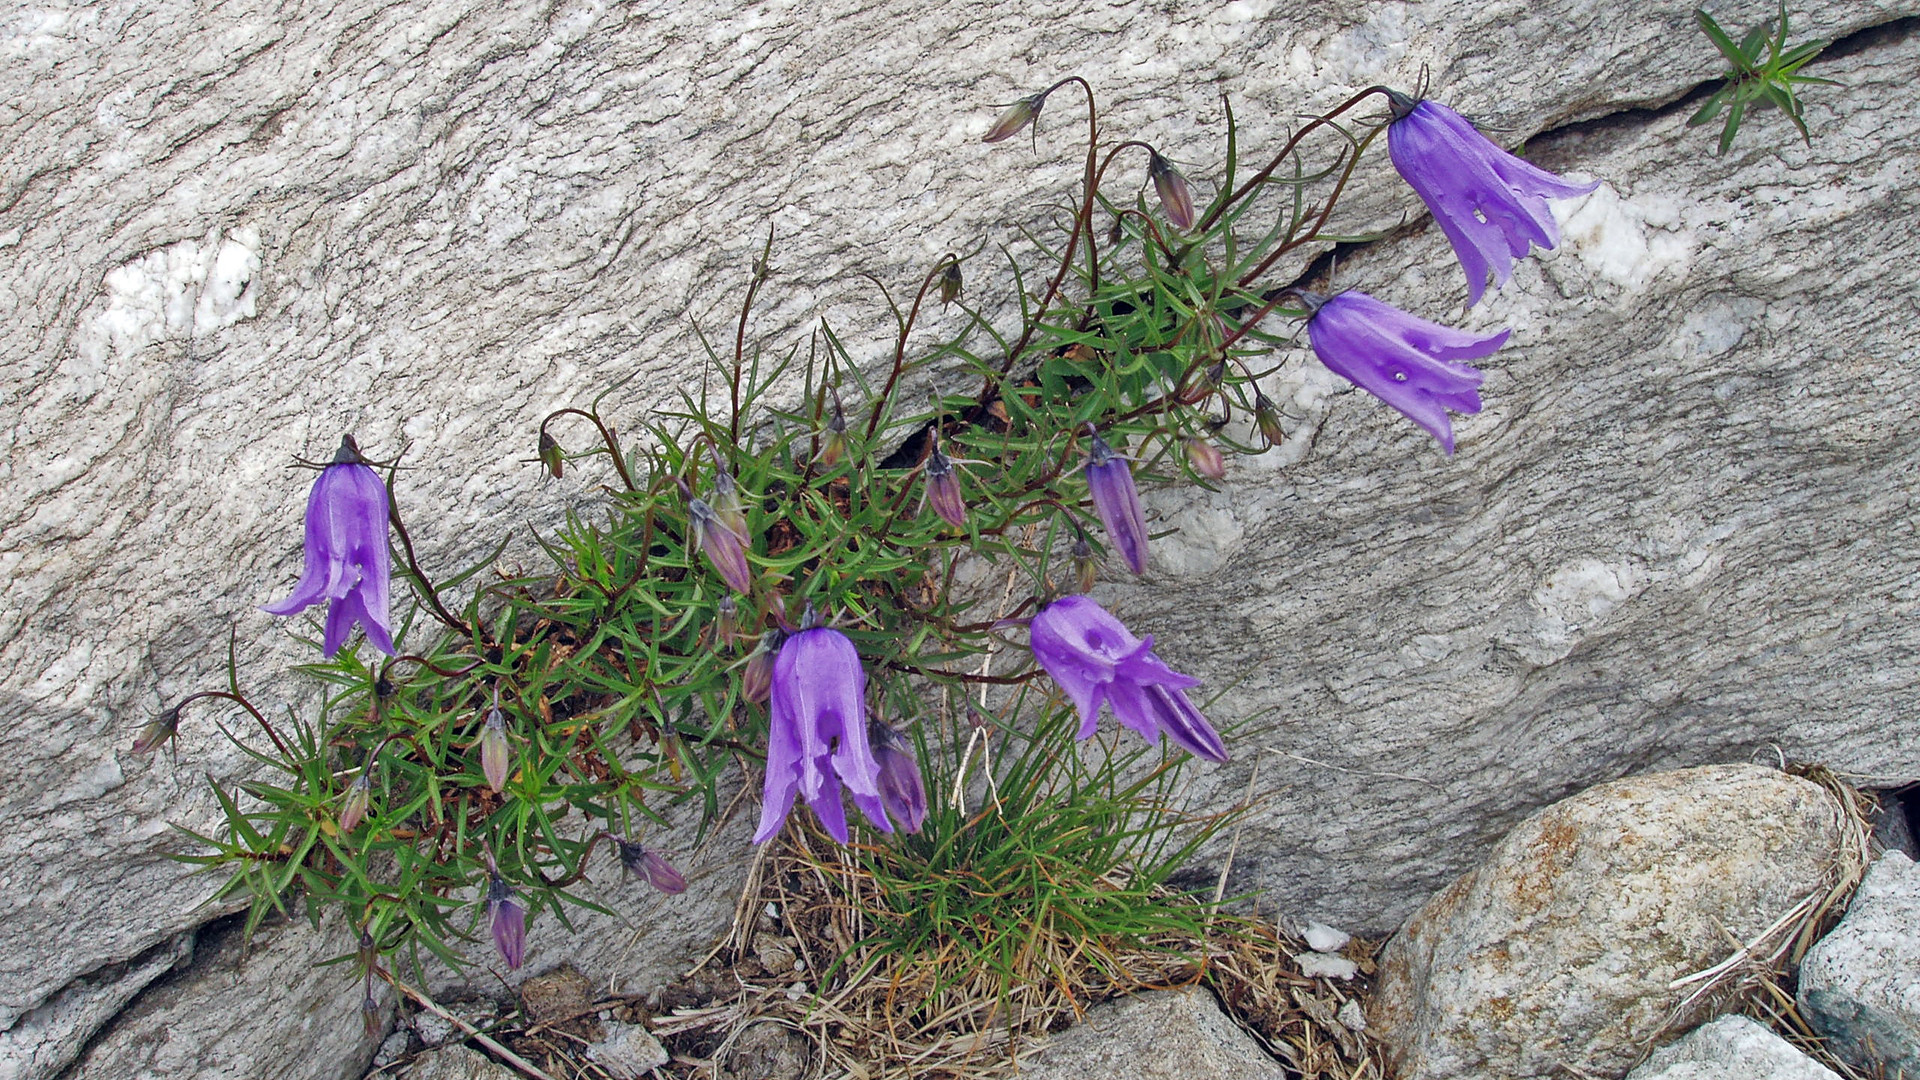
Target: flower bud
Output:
[(1086, 568), (727, 625), (834, 446), (1018, 115), (726, 504), (902, 792), (1205, 458), (551, 455), (1176, 198), (158, 730), (494, 752), (724, 548), (1117, 502), (1267, 419), (508, 921), (943, 489), (370, 1017), (756, 679), (359, 797), (650, 866), (950, 284)]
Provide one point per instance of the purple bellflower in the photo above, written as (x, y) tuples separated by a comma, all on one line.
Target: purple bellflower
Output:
[(1117, 501), (347, 562), (1407, 362), (507, 918), (902, 791), (1491, 204), (817, 735), (1097, 661)]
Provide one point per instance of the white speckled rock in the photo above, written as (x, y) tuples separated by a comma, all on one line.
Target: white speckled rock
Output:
[(228, 233), (1557, 953), (1860, 985), (1731, 1048), (1162, 1035)]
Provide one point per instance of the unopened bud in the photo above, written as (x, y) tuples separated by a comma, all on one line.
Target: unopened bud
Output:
[(551, 455), (1205, 458), (359, 797), (1216, 374), (1117, 231), (494, 752), (756, 679), (724, 548), (1267, 419), (728, 624), (943, 489), (507, 918), (651, 867), (726, 503), (158, 730), (1086, 568), (1018, 115), (834, 446), (1176, 198), (370, 1017), (950, 284)]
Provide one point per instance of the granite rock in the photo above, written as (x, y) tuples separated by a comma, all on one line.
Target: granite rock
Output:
[(1560, 952), (1860, 985), (1161, 1035), (1731, 1048)]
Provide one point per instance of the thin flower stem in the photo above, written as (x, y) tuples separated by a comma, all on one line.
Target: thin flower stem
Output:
[(606, 436), (1286, 150), (440, 611), (1083, 223), (278, 743), (900, 344)]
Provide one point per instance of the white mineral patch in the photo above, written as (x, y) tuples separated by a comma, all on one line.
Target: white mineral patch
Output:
[(188, 288), (1325, 939), (1576, 599), (1629, 242), (1321, 966)]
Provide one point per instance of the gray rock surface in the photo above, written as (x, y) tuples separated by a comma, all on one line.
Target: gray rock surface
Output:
[(458, 1063), (1679, 533), (1860, 985), (231, 1014), (1557, 954), (1731, 1048), (1162, 1035)]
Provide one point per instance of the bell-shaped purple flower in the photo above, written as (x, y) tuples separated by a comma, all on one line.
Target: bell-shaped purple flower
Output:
[(817, 735), (507, 918), (1098, 662), (1117, 501), (1407, 362), (651, 866), (347, 561), (1491, 205), (902, 791)]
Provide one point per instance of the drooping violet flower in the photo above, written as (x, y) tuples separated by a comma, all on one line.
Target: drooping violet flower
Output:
[(507, 918), (724, 548), (1097, 661), (902, 791), (1176, 198), (157, 731), (1407, 362), (1117, 501), (817, 735), (1491, 204), (943, 488), (650, 866), (346, 553)]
